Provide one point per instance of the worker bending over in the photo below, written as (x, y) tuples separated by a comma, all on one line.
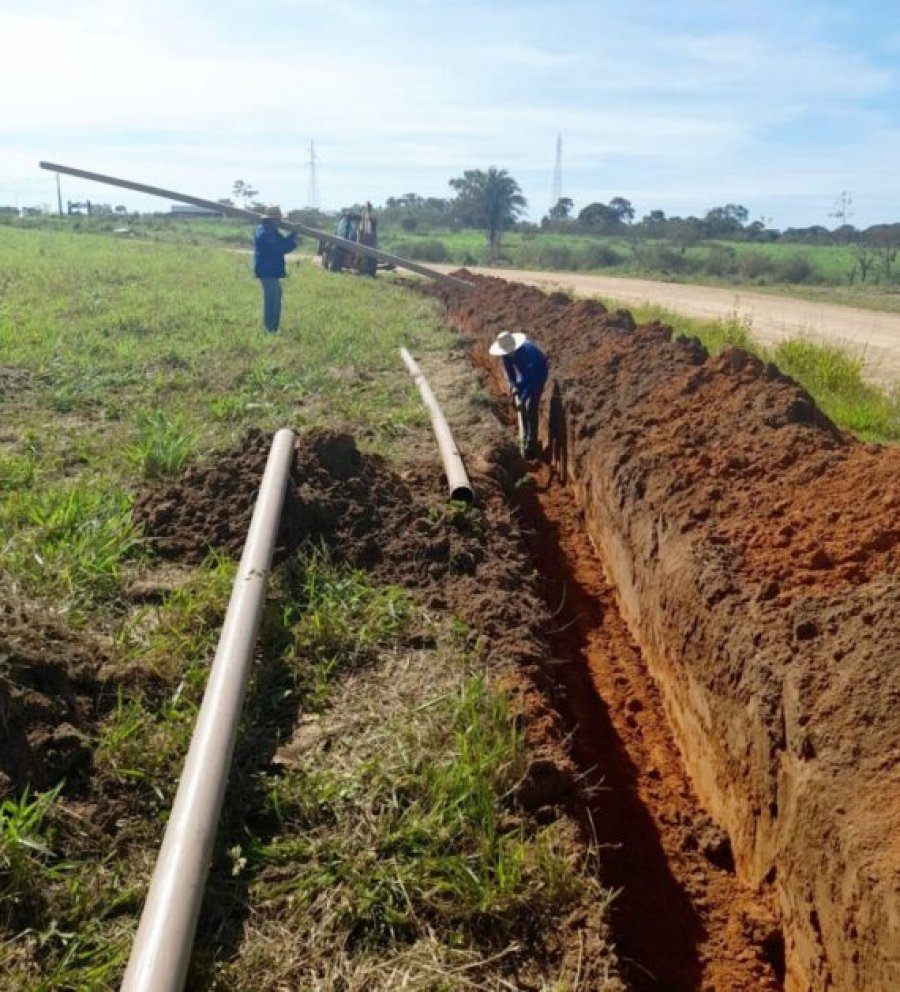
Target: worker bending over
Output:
[(526, 369)]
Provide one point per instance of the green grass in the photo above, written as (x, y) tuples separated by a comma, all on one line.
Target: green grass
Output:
[(437, 852), (835, 379), (137, 358), (344, 622), (25, 852), (57, 905), (123, 361), (69, 539), (163, 446), (398, 838)]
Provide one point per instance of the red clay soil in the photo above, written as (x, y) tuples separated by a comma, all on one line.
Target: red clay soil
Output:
[(682, 920), (754, 550)]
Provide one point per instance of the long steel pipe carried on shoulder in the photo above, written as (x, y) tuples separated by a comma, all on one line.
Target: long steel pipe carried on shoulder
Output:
[(457, 477), (250, 215), (162, 948)]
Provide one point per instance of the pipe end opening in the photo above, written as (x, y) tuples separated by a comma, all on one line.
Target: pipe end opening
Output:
[(462, 494)]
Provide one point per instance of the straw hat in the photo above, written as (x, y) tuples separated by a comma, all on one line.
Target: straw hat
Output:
[(507, 342), (273, 213)]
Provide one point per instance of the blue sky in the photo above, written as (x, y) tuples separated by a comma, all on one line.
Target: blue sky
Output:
[(678, 106)]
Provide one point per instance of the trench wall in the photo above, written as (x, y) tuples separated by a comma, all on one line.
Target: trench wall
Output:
[(754, 549)]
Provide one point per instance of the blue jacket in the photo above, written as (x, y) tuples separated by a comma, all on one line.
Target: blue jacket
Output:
[(526, 369), (269, 249)]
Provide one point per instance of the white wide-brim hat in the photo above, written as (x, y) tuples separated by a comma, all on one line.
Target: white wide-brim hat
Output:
[(507, 342)]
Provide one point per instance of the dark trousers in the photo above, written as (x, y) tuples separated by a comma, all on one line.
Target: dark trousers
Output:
[(530, 409), (271, 303)]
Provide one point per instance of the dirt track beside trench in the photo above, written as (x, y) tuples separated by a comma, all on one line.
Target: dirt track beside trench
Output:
[(755, 550), (774, 318)]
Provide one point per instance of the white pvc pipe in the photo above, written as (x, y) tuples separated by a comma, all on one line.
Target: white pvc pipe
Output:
[(162, 948), (457, 477)]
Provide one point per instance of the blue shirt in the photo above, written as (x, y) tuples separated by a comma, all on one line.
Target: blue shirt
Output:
[(527, 369), (269, 249)]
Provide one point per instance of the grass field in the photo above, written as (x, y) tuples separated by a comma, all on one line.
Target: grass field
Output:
[(827, 273), (122, 361)]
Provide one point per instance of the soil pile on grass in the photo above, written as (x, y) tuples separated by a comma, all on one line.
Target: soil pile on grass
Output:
[(756, 552), (50, 686), (399, 527)]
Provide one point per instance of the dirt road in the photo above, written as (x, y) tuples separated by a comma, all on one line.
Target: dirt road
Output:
[(875, 335)]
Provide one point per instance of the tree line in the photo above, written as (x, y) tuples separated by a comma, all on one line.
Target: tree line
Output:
[(492, 201)]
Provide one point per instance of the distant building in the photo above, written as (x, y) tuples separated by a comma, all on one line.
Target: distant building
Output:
[(188, 210)]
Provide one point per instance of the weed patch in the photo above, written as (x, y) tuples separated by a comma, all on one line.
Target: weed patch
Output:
[(69, 540), (397, 840)]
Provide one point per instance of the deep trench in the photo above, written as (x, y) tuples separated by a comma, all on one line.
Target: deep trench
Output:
[(681, 921)]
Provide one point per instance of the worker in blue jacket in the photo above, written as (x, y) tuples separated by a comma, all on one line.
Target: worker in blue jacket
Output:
[(526, 369), (269, 249)]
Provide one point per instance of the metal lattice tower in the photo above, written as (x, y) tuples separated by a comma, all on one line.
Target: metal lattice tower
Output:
[(312, 191), (557, 173)]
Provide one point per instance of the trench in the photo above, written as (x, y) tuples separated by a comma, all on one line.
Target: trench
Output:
[(682, 920)]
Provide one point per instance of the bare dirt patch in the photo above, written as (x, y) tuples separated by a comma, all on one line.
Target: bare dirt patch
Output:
[(51, 681), (13, 381)]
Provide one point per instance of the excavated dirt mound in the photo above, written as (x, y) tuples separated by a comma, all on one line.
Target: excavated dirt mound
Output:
[(50, 691), (755, 550), (398, 527)]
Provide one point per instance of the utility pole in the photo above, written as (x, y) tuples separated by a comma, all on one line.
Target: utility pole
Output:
[(312, 193), (557, 173), (58, 196)]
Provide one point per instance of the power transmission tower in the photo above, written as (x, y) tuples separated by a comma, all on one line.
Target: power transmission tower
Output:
[(312, 192), (842, 211), (557, 173)]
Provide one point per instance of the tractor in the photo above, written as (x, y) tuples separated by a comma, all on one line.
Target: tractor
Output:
[(361, 228)]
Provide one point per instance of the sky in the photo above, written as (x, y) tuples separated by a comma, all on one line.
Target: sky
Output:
[(779, 105)]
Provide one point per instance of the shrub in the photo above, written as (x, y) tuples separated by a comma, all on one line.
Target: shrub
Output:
[(795, 269), (429, 250), (719, 260), (754, 265), (660, 258), (601, 257), (556, 257)]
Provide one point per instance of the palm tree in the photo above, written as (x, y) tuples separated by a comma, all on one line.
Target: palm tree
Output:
[(491, 200)]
